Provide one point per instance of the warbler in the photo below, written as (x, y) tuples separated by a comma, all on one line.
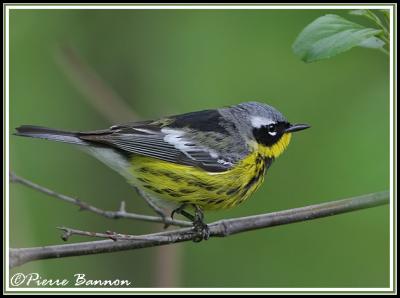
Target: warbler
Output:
[(210, 159)]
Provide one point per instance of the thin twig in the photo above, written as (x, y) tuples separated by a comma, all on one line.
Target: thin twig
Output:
[(220, 228), (121, 213), (68, 232)]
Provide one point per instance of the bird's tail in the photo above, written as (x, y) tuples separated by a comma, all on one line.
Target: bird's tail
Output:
[(50, 134)]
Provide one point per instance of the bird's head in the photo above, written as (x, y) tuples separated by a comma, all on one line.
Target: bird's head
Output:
[(267, 130)]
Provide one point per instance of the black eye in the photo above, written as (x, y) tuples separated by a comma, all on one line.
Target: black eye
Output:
[(268, 134), (272, 128)]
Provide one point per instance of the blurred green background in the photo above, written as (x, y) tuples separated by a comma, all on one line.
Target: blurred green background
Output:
[(173, 61)]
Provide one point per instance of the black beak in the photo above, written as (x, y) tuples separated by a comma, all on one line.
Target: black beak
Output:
[(297, 127)]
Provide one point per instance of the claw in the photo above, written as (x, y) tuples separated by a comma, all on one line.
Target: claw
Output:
[(173, 213), (200, 227), (202, 233), (181, 210), (178, 210)]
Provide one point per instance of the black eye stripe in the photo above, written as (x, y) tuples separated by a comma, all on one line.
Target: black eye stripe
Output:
[(272, 128), (270, 134)]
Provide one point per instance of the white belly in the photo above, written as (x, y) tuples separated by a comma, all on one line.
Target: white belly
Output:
[(119, 164), (112, 159)]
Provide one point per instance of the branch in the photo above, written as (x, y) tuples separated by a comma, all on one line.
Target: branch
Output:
[(68, 232), (121, 213), (220, 228)]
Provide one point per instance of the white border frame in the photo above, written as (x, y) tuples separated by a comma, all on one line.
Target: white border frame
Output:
[(7, 9)]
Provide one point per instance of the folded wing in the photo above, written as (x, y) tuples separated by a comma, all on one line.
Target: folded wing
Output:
[(199, 139)]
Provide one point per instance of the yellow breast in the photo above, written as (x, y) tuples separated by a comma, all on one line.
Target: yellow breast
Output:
[(186, 184)]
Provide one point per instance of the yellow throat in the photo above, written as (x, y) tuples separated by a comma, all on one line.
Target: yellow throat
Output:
[(275, 150)]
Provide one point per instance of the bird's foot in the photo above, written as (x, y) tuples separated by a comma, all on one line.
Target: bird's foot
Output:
[(199, 226)]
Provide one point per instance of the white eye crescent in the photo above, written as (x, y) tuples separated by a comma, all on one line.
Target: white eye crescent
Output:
[(272, 129)]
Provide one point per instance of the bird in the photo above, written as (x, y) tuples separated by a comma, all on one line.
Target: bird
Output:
[(204, 160)]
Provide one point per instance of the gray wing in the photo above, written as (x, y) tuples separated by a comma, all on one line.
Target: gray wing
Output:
[(199, 139)]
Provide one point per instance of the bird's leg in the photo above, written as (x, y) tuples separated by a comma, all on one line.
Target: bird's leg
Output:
[(153, 206), (199, 225), (181, 210)]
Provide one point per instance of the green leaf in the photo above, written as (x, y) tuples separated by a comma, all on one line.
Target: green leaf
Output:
[(372, 43), (330, 35)]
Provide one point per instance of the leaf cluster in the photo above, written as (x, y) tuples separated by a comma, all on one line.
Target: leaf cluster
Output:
[(331, 35)]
